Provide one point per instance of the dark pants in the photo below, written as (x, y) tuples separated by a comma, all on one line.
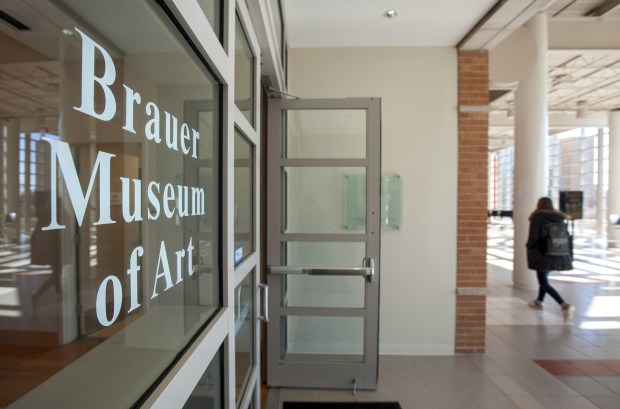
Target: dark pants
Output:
[(545, 287)]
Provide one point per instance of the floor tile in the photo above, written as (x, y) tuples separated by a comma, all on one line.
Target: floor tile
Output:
[(611, 382), (418, 402), (611, 364), (605, 402), (573, 402), (494, 402), (509, 385), (529, 352), (530, 402), (407, 387), (587, 386), (593, 368), (560, 367)]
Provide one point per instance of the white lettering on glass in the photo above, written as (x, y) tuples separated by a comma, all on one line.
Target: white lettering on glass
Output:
[(102, 300), (163, 270), (98, 77), (126, 199), (130, 98), (61, 153), (132, 272), (89, 79)]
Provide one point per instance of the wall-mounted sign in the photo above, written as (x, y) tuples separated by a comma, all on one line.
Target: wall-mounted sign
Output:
[(571, 203)]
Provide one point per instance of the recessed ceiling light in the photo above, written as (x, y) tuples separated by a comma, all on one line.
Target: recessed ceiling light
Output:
[(390, 14)]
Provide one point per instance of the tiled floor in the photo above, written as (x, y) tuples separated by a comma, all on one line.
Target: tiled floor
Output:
[(533, 359)]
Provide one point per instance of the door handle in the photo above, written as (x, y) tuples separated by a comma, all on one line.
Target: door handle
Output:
[(265, 316), (368, 270)]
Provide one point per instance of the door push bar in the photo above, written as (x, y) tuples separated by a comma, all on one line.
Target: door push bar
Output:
[(368, 270)]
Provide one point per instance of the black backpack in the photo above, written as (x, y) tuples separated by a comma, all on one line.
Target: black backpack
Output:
[(557, 239)]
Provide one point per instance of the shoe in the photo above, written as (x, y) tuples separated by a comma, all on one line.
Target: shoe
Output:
[(537, 305), (568, 311)]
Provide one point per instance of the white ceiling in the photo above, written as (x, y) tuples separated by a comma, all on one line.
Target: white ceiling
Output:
[(583, 64), (353, 23)]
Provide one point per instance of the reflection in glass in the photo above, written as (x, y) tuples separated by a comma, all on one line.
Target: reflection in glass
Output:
[(316, 203), (212, 9), (276, 13), (316, 291), (244, 73), (244, 333), (95, 302), (325, 133), (327, 292), (329, 339), (244, 197), (340, 254), (207, 394)]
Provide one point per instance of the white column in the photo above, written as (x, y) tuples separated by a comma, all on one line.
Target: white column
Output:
[(26, 211), (613, 194), (531, 129), (12, 182), (600, 215), (3, 131)]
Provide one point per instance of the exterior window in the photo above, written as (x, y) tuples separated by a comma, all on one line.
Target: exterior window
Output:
[(576, 163), (244, 73), (244, 333), (213, 11), (112, 259), (244, 198), (276, 13), (207, 393)]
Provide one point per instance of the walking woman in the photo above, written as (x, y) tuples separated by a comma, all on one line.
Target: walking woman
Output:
[(538, 260)]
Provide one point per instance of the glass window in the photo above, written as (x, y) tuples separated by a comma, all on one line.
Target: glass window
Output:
[(208, 392), (244, 333), (213, 11), (315, 201), (276, 13), (244, 198), (244, 73), (574, 165), (112, 262), (325, 133)]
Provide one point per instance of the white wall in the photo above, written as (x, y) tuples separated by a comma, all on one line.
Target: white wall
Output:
[(418, 91)]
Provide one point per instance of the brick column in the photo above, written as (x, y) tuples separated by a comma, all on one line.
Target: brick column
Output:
[(472, 201)]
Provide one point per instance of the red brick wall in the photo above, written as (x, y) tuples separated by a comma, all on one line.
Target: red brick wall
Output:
[(472, 201)]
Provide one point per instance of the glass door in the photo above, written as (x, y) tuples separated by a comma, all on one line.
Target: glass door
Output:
[(323, 243)]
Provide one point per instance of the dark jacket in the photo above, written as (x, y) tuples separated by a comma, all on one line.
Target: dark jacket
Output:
[(536, 259)]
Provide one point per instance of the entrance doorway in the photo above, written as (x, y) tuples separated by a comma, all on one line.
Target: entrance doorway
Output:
[(323, 243)]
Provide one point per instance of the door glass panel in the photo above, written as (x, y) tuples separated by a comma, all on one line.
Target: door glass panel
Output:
[(325, 133), (328, 292), (208, 392), (244, 197), (330, 339), (244, 333), (334, 292), (324, 200), (324, 254)]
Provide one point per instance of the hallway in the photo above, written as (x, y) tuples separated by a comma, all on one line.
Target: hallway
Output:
[(533, 359)]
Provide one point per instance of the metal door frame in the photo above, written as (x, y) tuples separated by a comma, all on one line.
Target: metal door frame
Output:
[(346, 375)]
